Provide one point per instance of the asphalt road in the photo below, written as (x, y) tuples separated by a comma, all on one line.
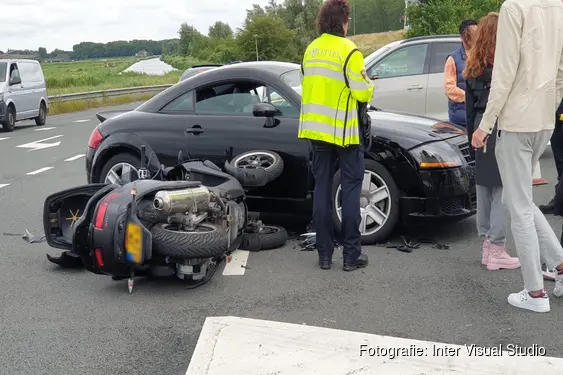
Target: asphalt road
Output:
[(61, 322)]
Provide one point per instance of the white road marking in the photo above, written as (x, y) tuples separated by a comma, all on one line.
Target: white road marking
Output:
[(81, 120), (40, 170), (227, 344), (4, 138), (236, 263), (75, 157), (3, 185), (43, 129), (37, 145)]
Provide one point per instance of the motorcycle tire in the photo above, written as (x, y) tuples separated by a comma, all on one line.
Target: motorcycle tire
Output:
[(272, 171), (168, 241), (268, 238)]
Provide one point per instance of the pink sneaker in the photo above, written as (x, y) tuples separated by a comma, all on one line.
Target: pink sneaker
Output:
[(499, 258), (485, 256)]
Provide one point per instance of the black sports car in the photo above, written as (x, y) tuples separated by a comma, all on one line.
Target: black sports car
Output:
[(417, 168)]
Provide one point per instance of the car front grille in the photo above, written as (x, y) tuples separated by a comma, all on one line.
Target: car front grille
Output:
[(451, 206), (464, 148)]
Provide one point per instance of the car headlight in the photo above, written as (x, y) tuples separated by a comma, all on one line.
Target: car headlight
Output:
[(436, 155)]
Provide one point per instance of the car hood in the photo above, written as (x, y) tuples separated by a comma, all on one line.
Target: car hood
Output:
[(409, 130)]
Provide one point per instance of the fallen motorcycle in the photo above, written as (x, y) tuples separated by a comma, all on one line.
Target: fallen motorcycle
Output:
[(183, 224)]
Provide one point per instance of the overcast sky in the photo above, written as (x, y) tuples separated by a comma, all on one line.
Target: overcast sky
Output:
[(30, 24)]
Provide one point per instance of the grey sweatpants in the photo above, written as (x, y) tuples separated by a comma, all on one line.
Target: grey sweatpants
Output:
[(491, 214), (517, 154)]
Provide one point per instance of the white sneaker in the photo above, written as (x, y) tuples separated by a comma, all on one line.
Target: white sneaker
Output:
[(524, 301), (558, 290)]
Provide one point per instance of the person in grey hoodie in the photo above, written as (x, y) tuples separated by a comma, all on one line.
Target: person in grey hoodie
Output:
[(492, 214), (526, 88)]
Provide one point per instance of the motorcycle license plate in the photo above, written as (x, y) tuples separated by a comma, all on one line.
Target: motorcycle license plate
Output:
[(134, 243)]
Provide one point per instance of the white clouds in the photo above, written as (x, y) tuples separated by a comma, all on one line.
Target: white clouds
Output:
[(30, 24)]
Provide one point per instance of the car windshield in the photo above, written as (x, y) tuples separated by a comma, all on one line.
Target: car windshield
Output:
[(371, 57), (292, 78), (3, 68)]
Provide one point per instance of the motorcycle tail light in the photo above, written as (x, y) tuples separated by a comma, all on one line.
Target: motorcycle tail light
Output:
[(99, 258), (95, 139), (102, 209)]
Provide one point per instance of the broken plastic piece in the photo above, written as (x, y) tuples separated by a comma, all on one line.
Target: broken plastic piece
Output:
[(32, 238), (441, 247), (404, 249)]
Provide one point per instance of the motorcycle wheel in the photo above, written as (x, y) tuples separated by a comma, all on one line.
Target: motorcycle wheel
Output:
[(272, 237), (206, 241), (269, 237), (248, 162)]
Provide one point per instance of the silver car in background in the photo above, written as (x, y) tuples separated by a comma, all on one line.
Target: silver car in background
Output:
[(409, 75)]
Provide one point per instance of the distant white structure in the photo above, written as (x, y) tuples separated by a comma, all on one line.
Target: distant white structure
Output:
[(155, 67), (405, 21)]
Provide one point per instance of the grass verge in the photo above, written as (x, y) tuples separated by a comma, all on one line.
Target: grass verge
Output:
[(368, 43), (99, 74), (58, 108)]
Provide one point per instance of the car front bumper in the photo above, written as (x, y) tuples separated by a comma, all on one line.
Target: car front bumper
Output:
[(449, 194)]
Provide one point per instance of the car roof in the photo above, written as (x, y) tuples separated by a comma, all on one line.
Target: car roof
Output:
[(437, 38), (276, 67), (19, 60)]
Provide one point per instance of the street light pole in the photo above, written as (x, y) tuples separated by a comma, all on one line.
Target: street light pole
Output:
[(256, 41), (354, 16)]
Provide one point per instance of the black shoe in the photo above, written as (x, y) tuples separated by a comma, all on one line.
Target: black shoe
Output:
[(548, 209), (325, 264), (361, 262)]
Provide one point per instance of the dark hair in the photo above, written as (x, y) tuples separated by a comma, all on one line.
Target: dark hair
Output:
[(332, 16), (465, 24)]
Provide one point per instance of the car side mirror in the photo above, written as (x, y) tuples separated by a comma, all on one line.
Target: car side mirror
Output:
[(264, 110), (15, 81)]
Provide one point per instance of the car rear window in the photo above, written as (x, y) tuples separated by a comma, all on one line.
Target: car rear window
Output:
[(3, 68)]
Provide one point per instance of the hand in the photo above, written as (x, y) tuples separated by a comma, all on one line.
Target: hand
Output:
[(479, 138)]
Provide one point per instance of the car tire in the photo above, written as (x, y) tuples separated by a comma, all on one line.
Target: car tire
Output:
[(380, 176), (121, 158), (10, 123), (167, 241), (42, 118), (273, 170)]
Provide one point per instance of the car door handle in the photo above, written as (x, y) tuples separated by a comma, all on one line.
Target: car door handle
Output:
[(195, 130), (416, 87)]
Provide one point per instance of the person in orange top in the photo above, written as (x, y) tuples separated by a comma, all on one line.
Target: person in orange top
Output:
[(454, 83)]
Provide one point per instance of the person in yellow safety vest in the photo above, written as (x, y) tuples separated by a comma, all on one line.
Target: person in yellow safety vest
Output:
[(335, 89)]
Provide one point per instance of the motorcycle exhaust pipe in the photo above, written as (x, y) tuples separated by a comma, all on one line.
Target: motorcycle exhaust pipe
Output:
[(170, 202)]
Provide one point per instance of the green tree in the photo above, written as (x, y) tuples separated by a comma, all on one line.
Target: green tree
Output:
[(220, 30), (434, 17), (42, 51), (269, 35)]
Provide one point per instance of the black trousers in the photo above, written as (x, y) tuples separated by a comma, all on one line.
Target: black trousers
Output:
[(557, 148), (351, 162)]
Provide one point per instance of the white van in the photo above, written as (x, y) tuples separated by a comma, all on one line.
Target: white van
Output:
[(23, 93)]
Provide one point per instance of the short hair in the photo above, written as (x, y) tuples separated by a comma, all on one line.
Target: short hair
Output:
[(332, 15), (465, 24)]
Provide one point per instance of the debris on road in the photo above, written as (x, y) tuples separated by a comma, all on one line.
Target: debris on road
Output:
[(28, 236)]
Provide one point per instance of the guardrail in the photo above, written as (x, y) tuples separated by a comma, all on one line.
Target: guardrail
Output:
[(107, 93)]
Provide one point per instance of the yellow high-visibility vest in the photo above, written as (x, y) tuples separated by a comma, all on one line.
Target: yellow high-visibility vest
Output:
[(330, 95)]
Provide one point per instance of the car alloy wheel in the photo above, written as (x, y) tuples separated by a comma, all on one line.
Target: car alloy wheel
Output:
[(375, 203), (121, 174)]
